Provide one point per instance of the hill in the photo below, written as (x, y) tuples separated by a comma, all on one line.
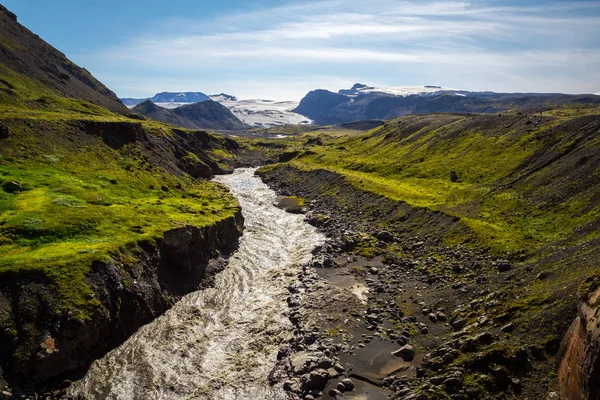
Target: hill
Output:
[(489, 222), (204, 115), (367, 103), (27, 63), (105, 221)]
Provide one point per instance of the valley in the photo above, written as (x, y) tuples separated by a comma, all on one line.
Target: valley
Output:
[(404, 242)]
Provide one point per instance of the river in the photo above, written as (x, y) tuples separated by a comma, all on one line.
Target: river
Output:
[(218, 343)]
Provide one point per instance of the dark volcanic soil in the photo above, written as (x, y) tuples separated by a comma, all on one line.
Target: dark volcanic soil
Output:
[(388, 305)]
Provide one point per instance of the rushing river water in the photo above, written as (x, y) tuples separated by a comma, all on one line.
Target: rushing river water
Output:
[(219, 343)]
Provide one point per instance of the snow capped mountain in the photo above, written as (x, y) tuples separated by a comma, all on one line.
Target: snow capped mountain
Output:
[(169, 99), (222, 97), (256, 113), (266, 113), (183, 97), (359, 89)]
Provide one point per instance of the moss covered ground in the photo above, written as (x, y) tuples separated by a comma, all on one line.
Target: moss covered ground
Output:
[(81, 200), (411, 159)]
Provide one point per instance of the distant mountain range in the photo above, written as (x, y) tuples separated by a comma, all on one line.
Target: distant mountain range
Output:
[(169, 97), (202, 115), (362, 102), (254, 113)]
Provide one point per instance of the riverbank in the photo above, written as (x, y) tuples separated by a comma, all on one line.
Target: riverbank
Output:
[(439, 321), (220, 342)]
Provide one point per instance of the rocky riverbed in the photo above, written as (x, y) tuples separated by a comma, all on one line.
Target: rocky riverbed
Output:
[(387, 304)]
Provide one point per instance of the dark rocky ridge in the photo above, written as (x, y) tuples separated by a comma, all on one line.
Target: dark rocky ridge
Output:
[(327, 108), (204, 115), (25, 53)]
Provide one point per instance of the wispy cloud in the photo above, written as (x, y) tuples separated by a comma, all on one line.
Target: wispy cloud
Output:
[(496, 47)]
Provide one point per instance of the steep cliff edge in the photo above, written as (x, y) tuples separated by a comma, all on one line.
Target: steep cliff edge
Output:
[(132, 289)]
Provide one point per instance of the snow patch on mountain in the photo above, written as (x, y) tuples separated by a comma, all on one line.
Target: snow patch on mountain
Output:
[(360, 89), (266, 113), (222, 97)]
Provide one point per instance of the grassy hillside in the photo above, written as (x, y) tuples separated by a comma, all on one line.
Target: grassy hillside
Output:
[(521, 181), (82, 181), (81, 200), (517, 187)]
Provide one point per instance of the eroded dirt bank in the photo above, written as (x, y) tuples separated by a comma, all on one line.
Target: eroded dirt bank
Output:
[(131, 294), (389, 304)]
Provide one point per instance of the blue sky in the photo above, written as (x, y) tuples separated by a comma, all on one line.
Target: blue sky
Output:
[(282, 49)]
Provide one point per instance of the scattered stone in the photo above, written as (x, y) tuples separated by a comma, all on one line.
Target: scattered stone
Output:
[(507, 328), (433, 318), (406, 352), (334, 393)]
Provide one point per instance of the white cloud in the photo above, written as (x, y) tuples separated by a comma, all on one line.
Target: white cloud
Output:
[(520, 44)]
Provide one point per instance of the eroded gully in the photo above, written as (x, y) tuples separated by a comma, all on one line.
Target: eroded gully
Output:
[(218, 343)]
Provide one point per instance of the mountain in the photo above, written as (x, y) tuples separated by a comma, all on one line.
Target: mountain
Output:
[(368, 103), (204, 115), (27, 60), (223, 97), (167, 98)]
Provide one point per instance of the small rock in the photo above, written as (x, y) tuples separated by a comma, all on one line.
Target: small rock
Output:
[(334, 392), (433, 318), (503, 266), (459, 324), (348, 384), (453, 176), (385, 236), (4, 132), (507, 328), (542, 275), (406, 352), (12, 187), (441, 316), (340, 387)]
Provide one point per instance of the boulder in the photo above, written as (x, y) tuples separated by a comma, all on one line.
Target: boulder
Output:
[(4, 132), (385, 236), (503, 266), (453, 176), (406, 352), (348, 384), (11, 187)]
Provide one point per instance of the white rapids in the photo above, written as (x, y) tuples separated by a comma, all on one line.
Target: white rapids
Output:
[(218, 343)]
